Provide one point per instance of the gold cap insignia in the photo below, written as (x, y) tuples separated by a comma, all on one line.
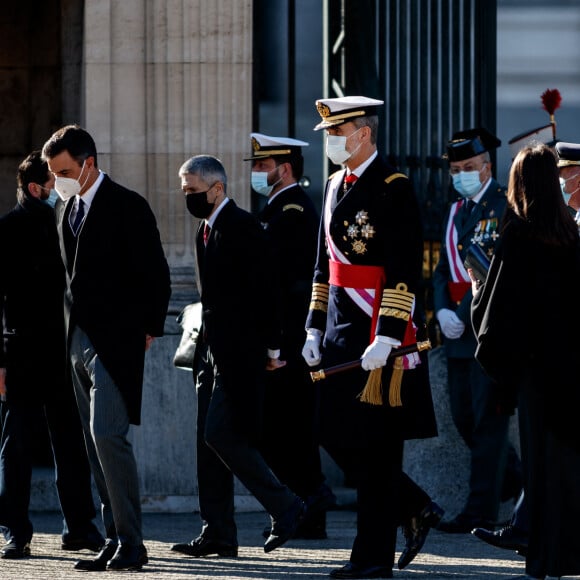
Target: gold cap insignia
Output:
[(323, 109), (255, 144)]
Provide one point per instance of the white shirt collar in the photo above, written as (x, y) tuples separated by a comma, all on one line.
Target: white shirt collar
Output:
[(89, 194), (214, 215)]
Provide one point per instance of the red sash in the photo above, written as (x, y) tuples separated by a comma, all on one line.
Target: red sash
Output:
[(457, 290), (356, 276)]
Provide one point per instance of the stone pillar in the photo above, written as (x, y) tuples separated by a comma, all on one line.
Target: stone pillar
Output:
[(164, 80)]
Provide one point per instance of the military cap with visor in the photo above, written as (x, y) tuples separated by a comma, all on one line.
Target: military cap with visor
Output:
[(264, 146), (568, 154), (342, 110), (470, 143)]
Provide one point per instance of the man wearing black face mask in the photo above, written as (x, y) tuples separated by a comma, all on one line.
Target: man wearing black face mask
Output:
[(230, 360)]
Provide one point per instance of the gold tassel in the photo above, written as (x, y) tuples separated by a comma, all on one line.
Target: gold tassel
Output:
[(373, 391), (396, 380)]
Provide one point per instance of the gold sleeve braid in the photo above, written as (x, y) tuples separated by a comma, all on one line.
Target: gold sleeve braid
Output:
[(397, 302), (319, 300)]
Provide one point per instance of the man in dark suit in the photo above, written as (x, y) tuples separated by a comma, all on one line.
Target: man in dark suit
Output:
[(33, 383), (473, 220), (364, 304), (290, 445), (116, 298), (238, 327)]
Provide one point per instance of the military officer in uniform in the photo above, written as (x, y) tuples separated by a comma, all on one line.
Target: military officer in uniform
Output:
[(569, 165), (473, 220), (290, 219), (363, 305)]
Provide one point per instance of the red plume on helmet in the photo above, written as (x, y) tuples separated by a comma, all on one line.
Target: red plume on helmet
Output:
[(551, 100)]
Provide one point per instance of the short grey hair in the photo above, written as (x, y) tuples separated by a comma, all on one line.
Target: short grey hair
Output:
[(207, 167), (370, 121)]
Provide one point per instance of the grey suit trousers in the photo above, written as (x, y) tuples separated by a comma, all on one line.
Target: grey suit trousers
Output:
[(106, 424)]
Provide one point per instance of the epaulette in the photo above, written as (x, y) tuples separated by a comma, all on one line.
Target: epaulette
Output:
[(292, 206), (395, 176), (333, 174)]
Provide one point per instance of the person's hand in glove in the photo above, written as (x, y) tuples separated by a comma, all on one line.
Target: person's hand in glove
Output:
[(450, 324), (376, 354), (311, 348)]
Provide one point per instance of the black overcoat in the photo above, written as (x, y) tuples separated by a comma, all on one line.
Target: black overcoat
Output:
[(118, 283), (31, 291)]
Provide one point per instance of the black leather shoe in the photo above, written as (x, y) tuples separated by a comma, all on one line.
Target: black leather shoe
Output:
[(312, 528), (462, 524), (416, 532), (508, 537), (205, 547), (14, 550), (128, 558), (98, 564), (284, 527), (351, 570), (92, 541), (321, 500)]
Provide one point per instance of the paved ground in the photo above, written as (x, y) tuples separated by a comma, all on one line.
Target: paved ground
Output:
[(444, 555)]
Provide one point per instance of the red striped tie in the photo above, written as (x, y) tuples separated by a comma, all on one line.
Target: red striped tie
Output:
[(206, 231)]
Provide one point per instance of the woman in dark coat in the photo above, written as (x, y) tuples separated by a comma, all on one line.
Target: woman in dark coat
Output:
[(528, 341)]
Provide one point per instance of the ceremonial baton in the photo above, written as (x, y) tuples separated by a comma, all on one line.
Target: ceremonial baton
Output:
[(355, 364)]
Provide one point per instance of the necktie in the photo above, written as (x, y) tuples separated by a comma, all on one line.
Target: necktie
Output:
[(347, 184), (79, 217), (206, 231), (469, 205)]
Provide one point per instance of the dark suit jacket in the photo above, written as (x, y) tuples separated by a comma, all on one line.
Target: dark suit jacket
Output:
[(31, 290), (118, 283), (235, 296)]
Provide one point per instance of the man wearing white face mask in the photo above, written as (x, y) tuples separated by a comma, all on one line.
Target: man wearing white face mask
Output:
[(473, 220), (115, 302), (363, 305), (290, 219)]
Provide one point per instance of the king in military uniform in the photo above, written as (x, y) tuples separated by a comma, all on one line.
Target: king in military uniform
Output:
[(364, 305)]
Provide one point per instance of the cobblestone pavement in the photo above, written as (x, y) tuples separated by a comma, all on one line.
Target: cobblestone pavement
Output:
[(443, 556)]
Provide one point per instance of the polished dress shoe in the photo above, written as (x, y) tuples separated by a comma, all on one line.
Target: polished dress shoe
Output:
[(205, 547), (128, 557), (92, 541), (321, 500), (416, 531), (99, 564), (351, 570), (284, 527), (462, 524), (508, 537), (14, 550)]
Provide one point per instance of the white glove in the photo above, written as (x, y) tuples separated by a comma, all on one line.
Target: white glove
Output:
[(376, 354), (450, 324), (311, 348)]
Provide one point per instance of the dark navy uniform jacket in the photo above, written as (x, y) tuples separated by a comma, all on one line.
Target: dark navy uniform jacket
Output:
[(376, 223), (481, 228)]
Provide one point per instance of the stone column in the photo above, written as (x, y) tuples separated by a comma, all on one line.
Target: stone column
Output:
[(165, 80)]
